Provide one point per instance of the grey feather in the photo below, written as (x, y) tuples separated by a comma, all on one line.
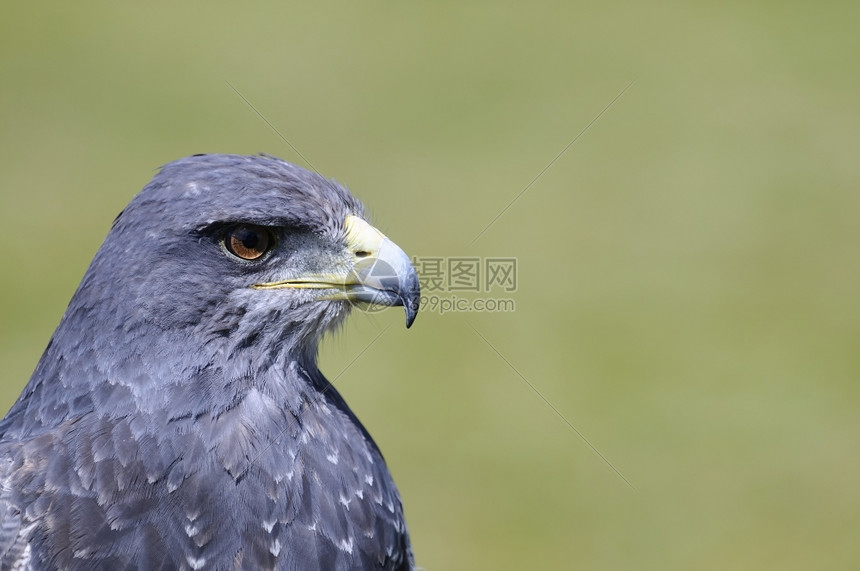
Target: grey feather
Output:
[(178, 419)]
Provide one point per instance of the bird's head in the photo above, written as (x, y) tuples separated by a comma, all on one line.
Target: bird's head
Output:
[(245, 248)]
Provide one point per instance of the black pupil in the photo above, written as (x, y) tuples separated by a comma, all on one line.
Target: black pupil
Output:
[(249, 238)]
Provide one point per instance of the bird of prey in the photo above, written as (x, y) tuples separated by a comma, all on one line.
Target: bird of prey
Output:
[(177, 418)]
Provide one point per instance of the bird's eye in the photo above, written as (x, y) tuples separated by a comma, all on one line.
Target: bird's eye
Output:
[(248, 242)]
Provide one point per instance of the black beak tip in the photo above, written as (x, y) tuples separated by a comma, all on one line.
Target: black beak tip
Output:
[(410, 318), (411, 298)]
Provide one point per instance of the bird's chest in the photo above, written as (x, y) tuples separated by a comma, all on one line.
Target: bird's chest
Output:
[(312, 494), (257, 495)]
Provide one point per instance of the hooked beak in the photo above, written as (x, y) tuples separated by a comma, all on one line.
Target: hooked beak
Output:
[(380, 273)]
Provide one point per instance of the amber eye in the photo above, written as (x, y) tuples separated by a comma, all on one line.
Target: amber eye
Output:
[(247, 242)]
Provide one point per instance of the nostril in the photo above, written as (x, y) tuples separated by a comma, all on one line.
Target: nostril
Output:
[(362, 254)]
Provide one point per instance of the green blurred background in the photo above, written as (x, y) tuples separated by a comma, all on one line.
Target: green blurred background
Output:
[(688, 269)]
